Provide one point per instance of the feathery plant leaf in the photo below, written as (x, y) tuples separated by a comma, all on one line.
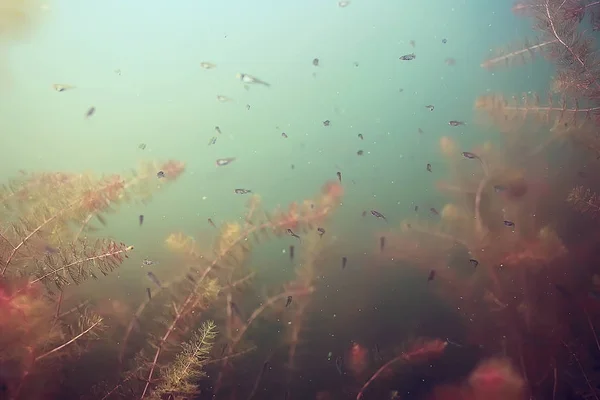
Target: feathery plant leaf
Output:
[(180, 376)]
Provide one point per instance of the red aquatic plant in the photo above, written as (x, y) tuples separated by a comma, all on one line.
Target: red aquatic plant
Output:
[(423, 350)]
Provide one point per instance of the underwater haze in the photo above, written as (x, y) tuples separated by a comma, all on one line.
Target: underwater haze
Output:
[(303, 200)]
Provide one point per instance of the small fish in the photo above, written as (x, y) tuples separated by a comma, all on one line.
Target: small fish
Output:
[(142, 146), (190, 278), (360, 153), (364, 213), (50, 250), (212, 140), (400, 90), (292, 234), (448, 341), (339, 364), (221, 162), (450, 61), (361, 137), (339, 175), (223, 349), (468, 154), (315, 62), (355, 63), (429, 167), (474, 262), (284, 135), (431, 107), (343, 3), (249, 79), (218, 130), (149, 293), (412, 43), (326, 122), (499, 188), (456, 123), (509, 223), (378, 352), (247, 106), (431, 275), (416, 208), (210, 221), (321, 231), (444, 40), (235, 309), (381, 243), (154, 279), (292, 252), (101, 219), (118, 72), (408, 57), (223, 99), (90, 112), (242, 191), (434, 211), (141, 219), (160, 174), (344, 262), (289, 301), (62, 87), (377, 214), (146, 262), (420, 131), (207, 65)]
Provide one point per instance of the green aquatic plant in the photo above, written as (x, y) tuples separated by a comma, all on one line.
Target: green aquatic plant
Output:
[(181, 376)]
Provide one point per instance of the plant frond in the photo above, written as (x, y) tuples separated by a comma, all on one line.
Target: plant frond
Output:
[(585, 201), (79, 261), (181, 376), (520, 54)]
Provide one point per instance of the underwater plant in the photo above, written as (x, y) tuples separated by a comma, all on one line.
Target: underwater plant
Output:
[(212, 283), (40, 256)]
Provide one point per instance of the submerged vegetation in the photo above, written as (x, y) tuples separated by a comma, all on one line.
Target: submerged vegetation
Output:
[(512, 254)]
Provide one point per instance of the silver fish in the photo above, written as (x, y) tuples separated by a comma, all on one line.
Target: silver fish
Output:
[(242, 191), (249, 79), (208, 65), (61, 87), (224, 161), (223, 99), (146, 262)]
